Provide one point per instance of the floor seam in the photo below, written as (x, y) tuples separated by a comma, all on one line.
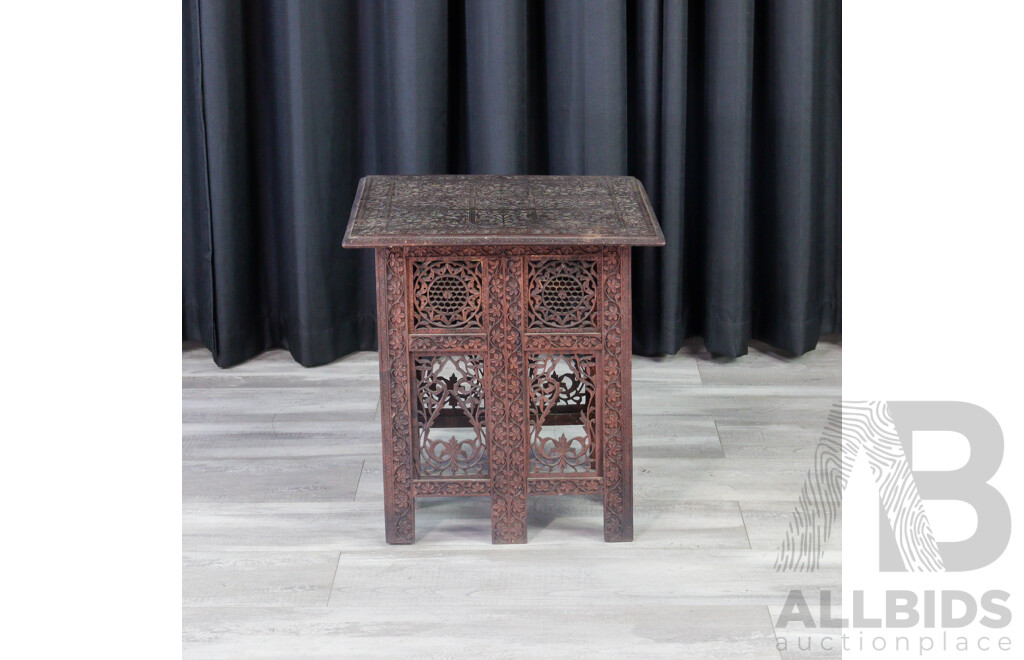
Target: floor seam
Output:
[(337, 567), (718, 435), (359, 480), (744, 521)]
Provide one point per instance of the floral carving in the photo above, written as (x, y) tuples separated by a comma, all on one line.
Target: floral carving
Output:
[(562, 396), (512, 210), (553, 342), (450, 392), (461, 487), (508, 450), (398, 498), (473, 343), (616, 437), (446, 251), (564, 486)]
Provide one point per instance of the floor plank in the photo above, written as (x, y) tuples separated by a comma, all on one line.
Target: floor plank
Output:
[(317, 479), (766, 523), (486, 574), (257, 578), (417, 629), (797, 443)]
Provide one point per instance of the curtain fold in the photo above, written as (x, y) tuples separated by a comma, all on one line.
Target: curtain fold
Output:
[(728, 111)]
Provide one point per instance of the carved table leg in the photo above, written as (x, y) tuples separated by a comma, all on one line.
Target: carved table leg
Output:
[(617, 412), (506, 416), (399, 503)]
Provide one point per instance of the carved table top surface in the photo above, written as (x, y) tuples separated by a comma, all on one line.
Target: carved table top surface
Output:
[(501, 210)]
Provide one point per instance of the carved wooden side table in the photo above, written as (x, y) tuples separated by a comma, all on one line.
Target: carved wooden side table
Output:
[(503, 311)]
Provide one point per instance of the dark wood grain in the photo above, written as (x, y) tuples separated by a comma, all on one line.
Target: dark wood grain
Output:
[(505, 360), (501, 210)]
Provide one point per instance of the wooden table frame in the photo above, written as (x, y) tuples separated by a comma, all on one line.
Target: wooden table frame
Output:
[(503, 342)]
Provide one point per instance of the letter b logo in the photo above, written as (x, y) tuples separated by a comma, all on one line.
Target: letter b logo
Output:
[(967, 484)]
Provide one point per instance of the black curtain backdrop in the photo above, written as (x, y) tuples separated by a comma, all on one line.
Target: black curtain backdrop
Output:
[(727, 110)]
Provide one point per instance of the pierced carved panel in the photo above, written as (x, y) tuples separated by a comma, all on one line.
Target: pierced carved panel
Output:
[(447, 294), (450, 416), (563, 414), (562, 294)]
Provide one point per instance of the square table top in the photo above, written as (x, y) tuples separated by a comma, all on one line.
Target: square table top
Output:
[(501, 210)]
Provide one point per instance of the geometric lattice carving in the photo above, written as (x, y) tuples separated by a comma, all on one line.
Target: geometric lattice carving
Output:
[(562, 293), (446, 294), (563, 414), (450, 416)]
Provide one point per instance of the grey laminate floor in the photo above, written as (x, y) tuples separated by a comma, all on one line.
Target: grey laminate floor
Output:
[(284, 552)]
